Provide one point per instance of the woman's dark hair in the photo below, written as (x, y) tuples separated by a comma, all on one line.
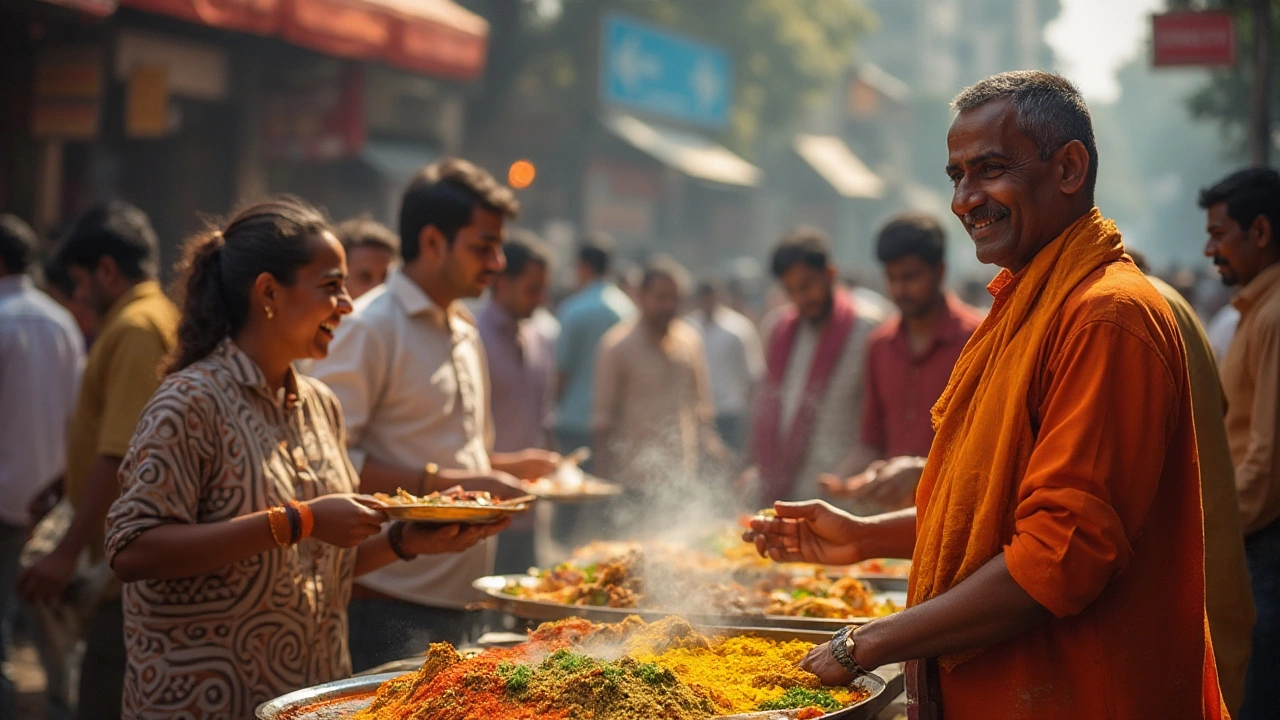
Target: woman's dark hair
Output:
[(219, 267)]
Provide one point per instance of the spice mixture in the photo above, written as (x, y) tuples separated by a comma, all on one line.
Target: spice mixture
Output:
[(575, 669)]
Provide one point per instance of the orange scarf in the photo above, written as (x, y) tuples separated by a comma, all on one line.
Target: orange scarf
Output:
[(983, 440)]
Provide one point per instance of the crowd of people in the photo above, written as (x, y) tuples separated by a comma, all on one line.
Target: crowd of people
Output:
[(1091, 503)]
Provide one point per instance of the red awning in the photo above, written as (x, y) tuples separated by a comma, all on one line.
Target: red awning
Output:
[(436, 37), (256, 16)]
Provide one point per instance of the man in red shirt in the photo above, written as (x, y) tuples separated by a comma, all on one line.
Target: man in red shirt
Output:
[(909, 358)]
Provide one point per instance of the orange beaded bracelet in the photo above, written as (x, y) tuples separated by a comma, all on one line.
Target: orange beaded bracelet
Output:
[(278, 519), (308, 519)]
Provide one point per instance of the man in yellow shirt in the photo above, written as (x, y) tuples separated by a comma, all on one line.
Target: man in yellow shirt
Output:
[(111, 255)]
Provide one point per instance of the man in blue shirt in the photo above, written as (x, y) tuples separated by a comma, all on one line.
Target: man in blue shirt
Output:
[(585, 317)]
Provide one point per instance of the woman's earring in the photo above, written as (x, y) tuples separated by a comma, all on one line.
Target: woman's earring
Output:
[(271, 314)]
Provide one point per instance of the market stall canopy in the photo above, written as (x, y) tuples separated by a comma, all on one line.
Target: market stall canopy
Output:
[(437, 37), (690, 153), (831, 158)]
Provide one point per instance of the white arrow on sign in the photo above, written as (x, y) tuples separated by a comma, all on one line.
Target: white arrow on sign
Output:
[(708, 86), (633, 65)]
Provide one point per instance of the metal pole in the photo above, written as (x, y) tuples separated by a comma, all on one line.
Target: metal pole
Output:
[(1260, 111)]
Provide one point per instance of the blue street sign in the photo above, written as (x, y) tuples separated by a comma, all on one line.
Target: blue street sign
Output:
[(654, 71)]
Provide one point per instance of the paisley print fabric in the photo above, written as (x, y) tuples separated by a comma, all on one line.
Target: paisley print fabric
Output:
[(214, 443)]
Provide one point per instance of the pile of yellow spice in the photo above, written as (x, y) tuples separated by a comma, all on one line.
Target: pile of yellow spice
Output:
[(742, 673)]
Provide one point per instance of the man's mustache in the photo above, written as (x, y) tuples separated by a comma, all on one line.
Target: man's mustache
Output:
[(1218, 260), (985, 213)]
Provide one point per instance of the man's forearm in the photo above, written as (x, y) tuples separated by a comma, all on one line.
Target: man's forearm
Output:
[(986, 608), (381, 477), (894, 535), (101, 488)]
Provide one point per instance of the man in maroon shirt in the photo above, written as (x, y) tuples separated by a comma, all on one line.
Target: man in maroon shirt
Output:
[(909, 358)]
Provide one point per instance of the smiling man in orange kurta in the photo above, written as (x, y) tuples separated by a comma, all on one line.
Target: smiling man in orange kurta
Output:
[(1057, 543)]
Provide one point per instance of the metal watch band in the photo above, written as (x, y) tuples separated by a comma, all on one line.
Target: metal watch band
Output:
[(840, 651)]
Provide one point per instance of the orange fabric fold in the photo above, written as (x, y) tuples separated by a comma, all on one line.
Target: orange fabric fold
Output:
[(984, 435)]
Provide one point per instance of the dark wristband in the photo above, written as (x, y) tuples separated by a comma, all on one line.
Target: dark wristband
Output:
[(395, 536), (295, 524)]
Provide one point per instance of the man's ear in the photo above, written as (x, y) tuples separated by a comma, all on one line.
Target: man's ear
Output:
[(1073, 159), (432, 243), (1260, 231), (107, 270)]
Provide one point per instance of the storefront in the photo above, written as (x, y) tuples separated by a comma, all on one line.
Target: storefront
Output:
[(185, 107)]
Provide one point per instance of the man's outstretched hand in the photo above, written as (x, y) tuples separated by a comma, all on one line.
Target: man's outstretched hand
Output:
[(811, 531)]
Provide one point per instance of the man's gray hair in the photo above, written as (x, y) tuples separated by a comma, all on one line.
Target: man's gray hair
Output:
[(1048, 109)]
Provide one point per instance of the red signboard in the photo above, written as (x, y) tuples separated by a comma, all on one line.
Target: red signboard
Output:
[(1193, 38)]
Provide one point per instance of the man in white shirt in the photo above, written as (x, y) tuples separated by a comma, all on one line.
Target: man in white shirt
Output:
[(410, 370), (41, 357), (734, 358)]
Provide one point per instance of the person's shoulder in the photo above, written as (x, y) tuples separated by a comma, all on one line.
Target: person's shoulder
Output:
[(322, 393), (686, 331), (1119, 294), (736, 322), (37, 308), (868, 312), (201, 381), (618, 335), (884, 332)]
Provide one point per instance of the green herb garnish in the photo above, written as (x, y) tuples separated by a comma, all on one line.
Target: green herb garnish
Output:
[(798, 697)]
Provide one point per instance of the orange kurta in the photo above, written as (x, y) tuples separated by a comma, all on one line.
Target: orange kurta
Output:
[(1104, 527)]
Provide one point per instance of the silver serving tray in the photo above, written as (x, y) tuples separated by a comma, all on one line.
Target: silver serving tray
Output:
[(885, 588), (342, 699)]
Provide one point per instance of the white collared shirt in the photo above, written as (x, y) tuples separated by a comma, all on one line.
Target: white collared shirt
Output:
[(414, 388), (734, 356), (41, 358)]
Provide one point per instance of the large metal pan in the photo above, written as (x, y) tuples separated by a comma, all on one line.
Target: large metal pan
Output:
[(885, 588), (342, 699)]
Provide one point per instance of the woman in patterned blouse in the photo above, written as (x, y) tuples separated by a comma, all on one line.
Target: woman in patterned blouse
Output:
[(236, 532)]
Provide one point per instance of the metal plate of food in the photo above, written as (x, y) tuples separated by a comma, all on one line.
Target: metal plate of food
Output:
[(468, 508), (499, 595), (588, 491), (450, 514), (343, 699)]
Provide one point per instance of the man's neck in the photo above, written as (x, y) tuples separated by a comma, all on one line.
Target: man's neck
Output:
[(430, 287), (926, 323), (658, 333)]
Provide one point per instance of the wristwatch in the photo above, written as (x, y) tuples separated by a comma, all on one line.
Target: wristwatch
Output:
[(842, 645)]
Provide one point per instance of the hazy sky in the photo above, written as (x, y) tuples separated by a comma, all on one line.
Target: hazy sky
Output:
[(1094, 38)]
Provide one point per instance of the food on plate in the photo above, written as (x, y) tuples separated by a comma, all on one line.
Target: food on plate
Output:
[(578, 669), (449, 498), (823, 596), (660, 578)]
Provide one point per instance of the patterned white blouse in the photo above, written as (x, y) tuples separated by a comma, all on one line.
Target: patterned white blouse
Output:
[(214, 443)]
